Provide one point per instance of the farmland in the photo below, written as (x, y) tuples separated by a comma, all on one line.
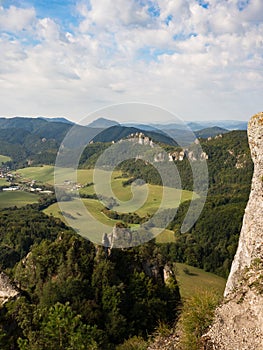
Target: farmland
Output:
[(16, 198), (143, 200)]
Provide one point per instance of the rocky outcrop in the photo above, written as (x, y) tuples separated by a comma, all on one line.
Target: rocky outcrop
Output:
[(7, 289), (238, 322)]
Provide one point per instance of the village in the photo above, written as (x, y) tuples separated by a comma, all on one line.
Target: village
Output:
[(17, 183)]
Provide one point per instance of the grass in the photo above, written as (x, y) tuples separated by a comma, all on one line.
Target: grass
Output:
[(201, 292), (167, 236), (93, 206), (3, 182), (43, 174), (87, 219), (143, 200), (4, 159), (196, 316), (17, 198), (197, 279)]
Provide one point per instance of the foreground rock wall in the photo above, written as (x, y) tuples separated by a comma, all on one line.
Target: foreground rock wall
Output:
[(239, 320)]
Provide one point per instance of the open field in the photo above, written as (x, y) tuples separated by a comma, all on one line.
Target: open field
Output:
[(17, 198), (197, 279), (4, 159), (3, 182), (166, 236), (43, 174), (141, 199), (93, 206), (144, 200)]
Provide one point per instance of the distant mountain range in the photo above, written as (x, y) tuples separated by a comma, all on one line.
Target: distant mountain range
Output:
[(39, 138), (57, 120), (225, 124), (210, 132), (194, 126)]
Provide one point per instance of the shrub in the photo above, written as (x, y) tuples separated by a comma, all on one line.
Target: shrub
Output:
[(134, 343), (197, 314)]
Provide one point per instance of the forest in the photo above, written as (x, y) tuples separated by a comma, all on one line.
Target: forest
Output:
[(68, 286)]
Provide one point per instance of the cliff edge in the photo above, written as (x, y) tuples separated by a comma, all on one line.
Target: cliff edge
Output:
[(238, 322)]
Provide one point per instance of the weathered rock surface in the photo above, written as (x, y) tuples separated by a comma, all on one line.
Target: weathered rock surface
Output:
[(238, 323), (7, 290)]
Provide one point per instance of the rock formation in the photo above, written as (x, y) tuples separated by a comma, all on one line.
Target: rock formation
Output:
[(7, 290), (238, 322)]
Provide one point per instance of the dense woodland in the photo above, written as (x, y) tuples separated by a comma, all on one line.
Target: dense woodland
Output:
[(212, 242), (69, 287)]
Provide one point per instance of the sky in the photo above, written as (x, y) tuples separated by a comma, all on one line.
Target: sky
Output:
[(198, 59)]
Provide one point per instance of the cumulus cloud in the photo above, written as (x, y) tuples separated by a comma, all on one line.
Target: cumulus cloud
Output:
[(16, 19), (196, 58)]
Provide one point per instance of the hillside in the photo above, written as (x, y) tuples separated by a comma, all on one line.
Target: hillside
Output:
[(118, 132), (102, 123), (95, 297), (210, 132)]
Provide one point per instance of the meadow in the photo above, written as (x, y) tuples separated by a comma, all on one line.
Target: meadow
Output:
[(4, 159), (16, 198), (141, 199), (192, 280)]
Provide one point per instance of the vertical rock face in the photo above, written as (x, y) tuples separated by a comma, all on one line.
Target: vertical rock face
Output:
[(239, 320), (251, 236)]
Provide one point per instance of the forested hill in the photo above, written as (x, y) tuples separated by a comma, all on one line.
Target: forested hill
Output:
[(211, 243), (38, 139), (34, 139), (118, 132), (73, 295)]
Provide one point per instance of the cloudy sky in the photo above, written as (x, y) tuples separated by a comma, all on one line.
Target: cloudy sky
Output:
[(199, 59)]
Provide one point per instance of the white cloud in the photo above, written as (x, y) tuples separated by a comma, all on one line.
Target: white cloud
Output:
[(16, 19), (192, 60)]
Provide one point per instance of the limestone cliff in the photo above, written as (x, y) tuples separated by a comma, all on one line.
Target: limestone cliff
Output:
[(239, 320), (7, 289)]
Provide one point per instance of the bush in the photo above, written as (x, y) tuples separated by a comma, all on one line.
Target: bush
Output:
[(197, 314), (134, 343)]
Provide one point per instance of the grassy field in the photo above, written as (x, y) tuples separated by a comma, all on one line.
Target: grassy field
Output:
[(166, 236), (3, 182), (94, 207), (43, 174), (197, 279), (17, 198), (143, 200), (4, 159)]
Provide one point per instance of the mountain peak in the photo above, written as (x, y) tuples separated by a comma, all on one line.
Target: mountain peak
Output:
[(102, 123)]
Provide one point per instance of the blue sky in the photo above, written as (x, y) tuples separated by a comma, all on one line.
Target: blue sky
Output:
[(199, 59)]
